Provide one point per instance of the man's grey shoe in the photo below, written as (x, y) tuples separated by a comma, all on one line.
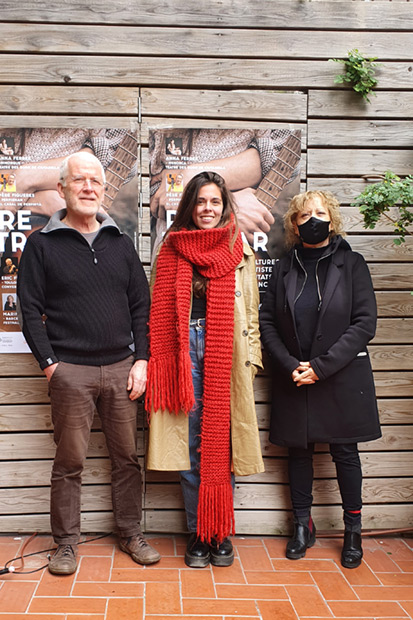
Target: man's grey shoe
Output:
[(64, 561), (139, 549)]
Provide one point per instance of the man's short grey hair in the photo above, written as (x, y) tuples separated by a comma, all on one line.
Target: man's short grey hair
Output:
[(64, 166)]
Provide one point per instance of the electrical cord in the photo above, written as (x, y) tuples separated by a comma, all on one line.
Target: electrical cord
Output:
[(18, 571), (403, 530)]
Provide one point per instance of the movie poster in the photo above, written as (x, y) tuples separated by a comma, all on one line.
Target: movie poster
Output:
[(29, 172), (260, 166)]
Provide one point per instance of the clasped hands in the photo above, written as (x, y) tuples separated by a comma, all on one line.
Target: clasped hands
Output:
[(304, 374)]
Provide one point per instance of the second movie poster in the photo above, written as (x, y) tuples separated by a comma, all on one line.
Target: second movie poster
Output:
[(261, 167)]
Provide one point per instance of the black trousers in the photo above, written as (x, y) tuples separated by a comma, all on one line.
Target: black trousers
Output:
[(348, 468)]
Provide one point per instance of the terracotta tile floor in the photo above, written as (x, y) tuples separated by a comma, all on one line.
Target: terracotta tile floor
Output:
[(261, 584)]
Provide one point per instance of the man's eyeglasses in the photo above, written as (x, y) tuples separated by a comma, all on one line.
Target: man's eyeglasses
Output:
[(82, 181)]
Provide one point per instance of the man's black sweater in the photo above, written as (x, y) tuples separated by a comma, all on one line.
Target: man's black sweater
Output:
[(95, 298)]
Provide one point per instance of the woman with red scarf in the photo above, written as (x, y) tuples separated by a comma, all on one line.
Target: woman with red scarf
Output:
[(205, 352)]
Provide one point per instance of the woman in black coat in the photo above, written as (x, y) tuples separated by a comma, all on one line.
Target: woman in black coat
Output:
[(317, 317)]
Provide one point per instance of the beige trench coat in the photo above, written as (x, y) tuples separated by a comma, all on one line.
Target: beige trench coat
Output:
[(168, 433)]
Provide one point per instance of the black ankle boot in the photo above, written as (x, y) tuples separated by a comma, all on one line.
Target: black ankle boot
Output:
[(303, 538), (197, 552), (352, 552), (222, 554)]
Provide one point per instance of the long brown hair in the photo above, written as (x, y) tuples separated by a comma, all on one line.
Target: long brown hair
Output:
[(188, 202), (183, 218)]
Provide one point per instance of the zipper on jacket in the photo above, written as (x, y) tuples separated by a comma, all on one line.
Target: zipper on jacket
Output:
[(305, 274), (320, 299), (95, 260)]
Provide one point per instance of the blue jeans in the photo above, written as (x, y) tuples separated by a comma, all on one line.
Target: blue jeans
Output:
[(190, 479)]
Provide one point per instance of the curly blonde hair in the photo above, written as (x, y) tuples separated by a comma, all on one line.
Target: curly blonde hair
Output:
[(297, 204)]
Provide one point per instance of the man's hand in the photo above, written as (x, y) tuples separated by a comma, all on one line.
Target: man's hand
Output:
[(49, 370), (137, 379), (252, 215)]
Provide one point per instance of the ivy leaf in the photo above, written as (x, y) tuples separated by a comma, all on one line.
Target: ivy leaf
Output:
[(377, 198), (359, 71)]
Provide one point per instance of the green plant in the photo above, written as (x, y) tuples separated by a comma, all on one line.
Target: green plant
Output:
[(375, 201), (359, 73)]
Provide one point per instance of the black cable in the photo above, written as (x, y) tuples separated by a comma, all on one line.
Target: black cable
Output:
[(7, 570)]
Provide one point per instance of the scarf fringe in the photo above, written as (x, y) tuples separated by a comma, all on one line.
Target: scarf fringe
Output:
[(164, 373), (215, 512)]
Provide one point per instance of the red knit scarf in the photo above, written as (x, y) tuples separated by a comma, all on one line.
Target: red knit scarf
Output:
[(169, 371)]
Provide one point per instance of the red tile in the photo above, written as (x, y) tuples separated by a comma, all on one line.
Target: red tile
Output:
[(326, 549), (251, 541), (180, 545), (276, 610), (162, 598), (55, 585), (107, 539), (379, 561), (100, 546), (308, 602), (254, 558), (408, 607), (164, 546), (278, 578), (395, 579), (334, 587), (94, 569), (108, 590), (15, 576), (44, 617), (67, 605), (251, 592), (6, 538), (170, 561), (397, 548), (276, 547), (78, 617), (360, 609), (361, 576), (38, 544), (124, 609), (95, 550), (144, 574), (383, 583), (384, 593), (212, 607), (16, 595), (229, 574), (197, 584), (14, 547), (167, 617), (405, 565), (9, 551), (305, 564)]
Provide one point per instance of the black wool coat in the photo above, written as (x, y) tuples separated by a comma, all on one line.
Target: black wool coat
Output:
[(340, 407)]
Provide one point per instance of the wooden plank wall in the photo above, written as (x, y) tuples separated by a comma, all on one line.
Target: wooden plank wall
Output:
[(208, 63)]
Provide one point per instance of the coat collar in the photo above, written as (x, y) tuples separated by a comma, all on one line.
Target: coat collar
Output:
[(55, 222)]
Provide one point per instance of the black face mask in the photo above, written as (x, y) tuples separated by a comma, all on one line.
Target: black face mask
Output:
[(314, 231)]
